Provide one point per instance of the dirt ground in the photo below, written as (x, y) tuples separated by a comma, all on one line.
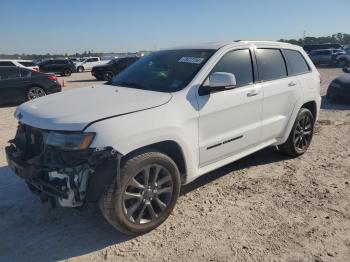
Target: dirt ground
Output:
[(265, 207)]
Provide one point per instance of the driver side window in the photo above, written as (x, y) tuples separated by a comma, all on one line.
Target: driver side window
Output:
[(238, 62)]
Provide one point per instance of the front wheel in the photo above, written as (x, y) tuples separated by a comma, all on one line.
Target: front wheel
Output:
[(80, 69), (301, 134), (107, 76), (150, 186)]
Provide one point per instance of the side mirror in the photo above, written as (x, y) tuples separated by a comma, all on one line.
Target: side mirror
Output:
[(222, 81), (346, 69)]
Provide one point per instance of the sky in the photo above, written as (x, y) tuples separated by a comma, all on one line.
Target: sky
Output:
[(69, 26)]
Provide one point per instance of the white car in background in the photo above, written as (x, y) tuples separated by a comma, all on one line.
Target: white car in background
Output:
[(88, 63), (21, 63)]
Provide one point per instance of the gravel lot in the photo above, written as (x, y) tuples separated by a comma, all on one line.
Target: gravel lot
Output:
[(265, 207)]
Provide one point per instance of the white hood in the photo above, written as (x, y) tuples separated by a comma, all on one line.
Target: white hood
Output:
[(74, 109)]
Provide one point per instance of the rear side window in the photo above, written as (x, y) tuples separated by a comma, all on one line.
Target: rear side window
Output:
[(9, 73), (27, 63), (92, 60), (25, 73), (61, 62), (295, 62), (271, 64), (238, 62), (6, 63)]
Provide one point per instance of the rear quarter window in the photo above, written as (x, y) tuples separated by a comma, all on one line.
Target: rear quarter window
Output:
[(6, 63), (27, 63), (271, 64), (296, 62)]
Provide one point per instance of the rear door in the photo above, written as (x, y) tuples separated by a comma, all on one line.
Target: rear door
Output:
[(325, 56), (280, 92), (230, 120), (10, 85)]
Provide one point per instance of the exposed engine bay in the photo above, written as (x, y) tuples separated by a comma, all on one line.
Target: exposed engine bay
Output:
[(64, 177)]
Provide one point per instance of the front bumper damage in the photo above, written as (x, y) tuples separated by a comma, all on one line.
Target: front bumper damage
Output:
[(69, 178)]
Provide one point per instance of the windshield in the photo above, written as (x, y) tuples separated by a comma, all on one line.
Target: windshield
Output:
[(111, 62), (163, 71)]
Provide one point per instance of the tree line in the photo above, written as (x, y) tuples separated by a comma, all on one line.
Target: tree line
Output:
[(339, 38)]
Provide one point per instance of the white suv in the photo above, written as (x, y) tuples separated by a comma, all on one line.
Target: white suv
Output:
[(88, 63), (169, 118), (20, 63)]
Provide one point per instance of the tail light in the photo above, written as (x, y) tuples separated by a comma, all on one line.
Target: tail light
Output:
[(52, 78)]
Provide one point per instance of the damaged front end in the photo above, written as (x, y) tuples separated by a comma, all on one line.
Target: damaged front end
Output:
[(69, 173)]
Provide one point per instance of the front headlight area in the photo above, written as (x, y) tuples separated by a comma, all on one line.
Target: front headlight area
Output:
[(69, 141)]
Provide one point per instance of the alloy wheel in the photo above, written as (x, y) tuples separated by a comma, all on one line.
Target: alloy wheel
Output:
[(303, 133), (35, 92), (147, 194)]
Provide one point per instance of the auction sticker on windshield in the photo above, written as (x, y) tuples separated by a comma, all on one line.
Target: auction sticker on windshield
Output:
[(191, 60)]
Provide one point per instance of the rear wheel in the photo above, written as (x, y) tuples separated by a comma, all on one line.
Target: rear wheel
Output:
[(80, 69), (150, 186), (107, 76), (66, 72), (301, 134), (35, 92)]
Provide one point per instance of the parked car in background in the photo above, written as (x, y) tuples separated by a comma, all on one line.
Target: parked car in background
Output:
[(325, 56), (339, 88), (343, 60), (113, 67), (64, 67), (21, 63), (88, 63), (19, 84), (168, 119), (309, 48)]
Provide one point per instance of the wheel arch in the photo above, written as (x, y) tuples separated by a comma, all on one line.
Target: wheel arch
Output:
[(312, 106), (168, 147)]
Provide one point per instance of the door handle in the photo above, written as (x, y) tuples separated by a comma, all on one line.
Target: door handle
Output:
[(253, 93), (292, 83)]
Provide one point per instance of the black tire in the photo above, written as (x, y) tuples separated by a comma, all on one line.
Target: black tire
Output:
[(115, 205), (35, 92), (107, 76), (66, 72), (301, 134), (80, 69)]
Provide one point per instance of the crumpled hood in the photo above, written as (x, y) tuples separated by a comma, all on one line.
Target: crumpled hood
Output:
[(72, 110)]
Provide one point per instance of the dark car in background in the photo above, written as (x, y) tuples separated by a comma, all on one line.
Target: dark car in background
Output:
[(19, 84), (312, 47), (325, 56), (339, 88), (112, 68), (64, 67)]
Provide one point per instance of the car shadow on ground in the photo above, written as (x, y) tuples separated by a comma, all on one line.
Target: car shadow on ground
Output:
[(33, 231), (335, 104), (262, 157)]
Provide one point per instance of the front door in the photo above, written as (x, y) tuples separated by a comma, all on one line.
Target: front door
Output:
[(11, 88), (230, 121)]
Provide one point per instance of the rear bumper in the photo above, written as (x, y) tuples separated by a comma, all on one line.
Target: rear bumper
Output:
[(54, 89), (340, 93)]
